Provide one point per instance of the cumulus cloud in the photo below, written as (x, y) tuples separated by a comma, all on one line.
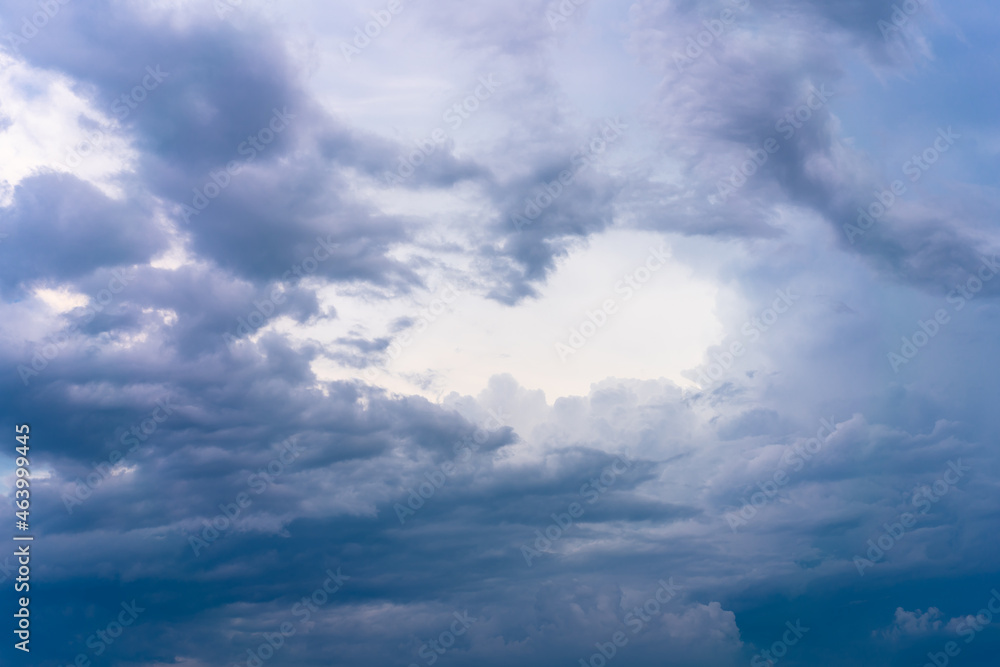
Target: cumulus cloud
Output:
[(908, 624)]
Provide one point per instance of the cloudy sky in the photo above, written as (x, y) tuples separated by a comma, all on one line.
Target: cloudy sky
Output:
[(533, 332)]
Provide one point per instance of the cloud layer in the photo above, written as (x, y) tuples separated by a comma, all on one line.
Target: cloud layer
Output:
[(233, 236)]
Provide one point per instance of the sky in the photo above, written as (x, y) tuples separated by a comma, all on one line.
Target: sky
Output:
[(569, 332)]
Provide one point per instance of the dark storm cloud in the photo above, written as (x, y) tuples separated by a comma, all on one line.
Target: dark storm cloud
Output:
[(717, 111), (229, 138), (198, 461), (325, 509), (53, 216), (535, 235), (220, 83)]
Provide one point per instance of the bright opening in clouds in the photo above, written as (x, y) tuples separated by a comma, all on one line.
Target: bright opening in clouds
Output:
[(539, 332), (603, 313)]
